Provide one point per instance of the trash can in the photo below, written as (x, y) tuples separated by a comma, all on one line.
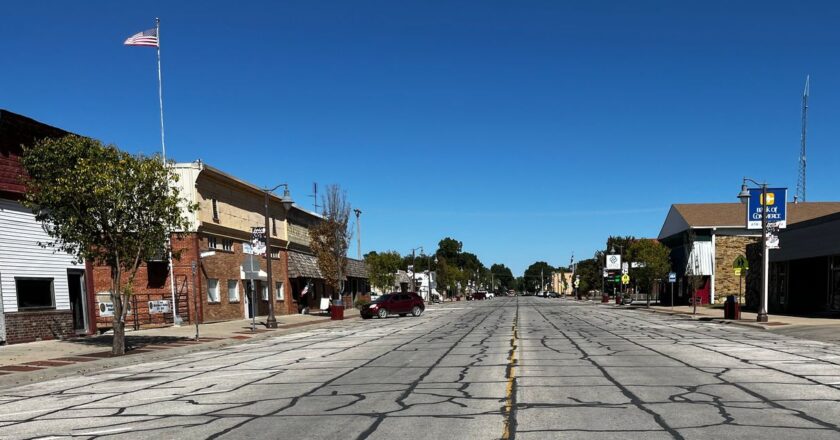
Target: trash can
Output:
[(337, 310), (731, 308), (605, 297)]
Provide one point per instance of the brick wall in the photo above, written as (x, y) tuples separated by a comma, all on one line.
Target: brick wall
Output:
[(224, 266), (727, 248), (38, 326), (152, 284)]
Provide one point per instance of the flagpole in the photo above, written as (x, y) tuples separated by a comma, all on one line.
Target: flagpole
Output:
[(176, 320), (160, 90)]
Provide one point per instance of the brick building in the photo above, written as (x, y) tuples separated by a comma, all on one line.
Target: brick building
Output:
[(229, 284), (44, 294), (705, 239)]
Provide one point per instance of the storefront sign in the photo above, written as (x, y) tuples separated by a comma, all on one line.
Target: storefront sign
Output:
[(158, 307)]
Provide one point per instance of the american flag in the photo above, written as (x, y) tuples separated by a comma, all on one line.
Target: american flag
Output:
[(145, 38)]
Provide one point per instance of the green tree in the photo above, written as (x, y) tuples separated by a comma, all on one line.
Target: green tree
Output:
[(330, 238), (382, 268), (536, 273), (589, 271), (450, 249), (104, 206), (502, 275), (655, 262), (448, 277), (620, 244)]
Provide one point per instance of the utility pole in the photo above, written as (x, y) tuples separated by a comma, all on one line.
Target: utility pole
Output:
[(542, 283), (358, 234)]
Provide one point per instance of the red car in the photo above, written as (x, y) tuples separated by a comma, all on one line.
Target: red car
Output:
[(394, 304)]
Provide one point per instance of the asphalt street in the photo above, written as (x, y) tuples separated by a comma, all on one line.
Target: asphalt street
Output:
[(524, 368)]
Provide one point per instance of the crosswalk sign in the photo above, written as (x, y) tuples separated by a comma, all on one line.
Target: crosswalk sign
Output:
[(625, 279), (741, 263)]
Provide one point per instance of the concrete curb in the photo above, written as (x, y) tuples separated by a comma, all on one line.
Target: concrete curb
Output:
[(25, 378), (706, 318)]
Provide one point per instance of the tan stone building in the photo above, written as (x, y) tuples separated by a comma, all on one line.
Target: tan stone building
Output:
[(561, 282), (706, 238)]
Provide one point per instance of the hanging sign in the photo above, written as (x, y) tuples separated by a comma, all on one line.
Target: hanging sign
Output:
[(776, 205), (613, 262)]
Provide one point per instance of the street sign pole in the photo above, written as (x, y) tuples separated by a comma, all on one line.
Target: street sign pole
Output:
[(195, 298)]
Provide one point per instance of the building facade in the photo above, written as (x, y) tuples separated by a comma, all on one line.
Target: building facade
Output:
[(706, 238), (44, 293), (804, 272), (561, 282), (230, 283)]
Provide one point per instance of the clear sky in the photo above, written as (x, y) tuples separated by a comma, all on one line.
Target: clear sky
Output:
[(527, 130)]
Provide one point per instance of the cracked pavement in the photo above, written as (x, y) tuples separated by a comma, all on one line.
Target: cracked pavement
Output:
[(526, 368)]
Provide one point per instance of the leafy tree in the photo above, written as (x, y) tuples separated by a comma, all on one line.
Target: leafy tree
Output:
[(330, 238), (503, 275), (589, 271), (620, 244), (654, 256), (104, 206), (450, 249), (537, 272), (449, 277), (382, 268)]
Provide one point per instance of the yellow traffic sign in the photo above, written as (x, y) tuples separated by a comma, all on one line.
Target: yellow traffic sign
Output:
[(625, 279), (737, 271), (741, 263)]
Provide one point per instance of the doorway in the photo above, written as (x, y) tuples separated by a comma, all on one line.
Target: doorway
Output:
[(78, 301), (249, 298)]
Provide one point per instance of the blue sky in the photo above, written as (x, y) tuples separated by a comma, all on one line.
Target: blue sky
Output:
[(527, 130)]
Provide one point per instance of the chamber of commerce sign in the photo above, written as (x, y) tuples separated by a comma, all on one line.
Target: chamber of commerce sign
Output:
[(776, 205)]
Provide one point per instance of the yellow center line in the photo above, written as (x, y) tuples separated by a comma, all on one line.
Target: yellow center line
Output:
[(510, 393)]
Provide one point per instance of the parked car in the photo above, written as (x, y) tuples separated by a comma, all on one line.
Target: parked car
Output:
[(394, 304)]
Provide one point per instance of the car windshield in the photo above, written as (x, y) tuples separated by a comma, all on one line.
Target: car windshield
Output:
[(382, 298)]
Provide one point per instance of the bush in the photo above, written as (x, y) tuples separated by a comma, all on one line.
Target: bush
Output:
[(361, 303)]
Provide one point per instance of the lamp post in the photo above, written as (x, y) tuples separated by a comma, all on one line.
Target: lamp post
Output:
[(271, 321), (744, 195), (358, 212), (413, 271)]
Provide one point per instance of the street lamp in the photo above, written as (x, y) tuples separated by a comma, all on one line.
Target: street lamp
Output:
[(413, 272), (287, 202), (358, 212), (744, 195)]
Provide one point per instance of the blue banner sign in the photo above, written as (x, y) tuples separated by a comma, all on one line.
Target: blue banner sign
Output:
[(776, 205)]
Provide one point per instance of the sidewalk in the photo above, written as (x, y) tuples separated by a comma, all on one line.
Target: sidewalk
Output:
[(802, 327), (86, 353), (747, 318)]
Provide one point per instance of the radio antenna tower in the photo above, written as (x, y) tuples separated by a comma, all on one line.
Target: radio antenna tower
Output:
[(314, 196), (800, 183)]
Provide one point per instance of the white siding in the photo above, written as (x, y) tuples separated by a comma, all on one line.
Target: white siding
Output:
[(21, 256), (701, 260)]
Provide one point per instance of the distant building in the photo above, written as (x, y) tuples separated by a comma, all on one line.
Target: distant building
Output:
[(561, 282)]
